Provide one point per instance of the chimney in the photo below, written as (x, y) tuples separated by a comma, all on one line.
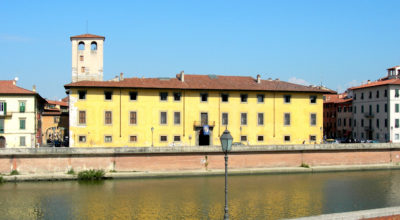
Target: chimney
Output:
[(15, 81), (34, 88), (182, 76), (258, 78), (121, 76), (369, 81)]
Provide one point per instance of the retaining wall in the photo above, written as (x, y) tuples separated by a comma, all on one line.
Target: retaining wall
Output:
[(56, 160)]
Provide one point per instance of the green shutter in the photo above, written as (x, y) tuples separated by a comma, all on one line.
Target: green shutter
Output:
[(1, 126), (22, 124), (5, 108), (397, 107)]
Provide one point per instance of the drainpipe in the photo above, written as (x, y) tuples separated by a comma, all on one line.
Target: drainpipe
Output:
[(120, 106)]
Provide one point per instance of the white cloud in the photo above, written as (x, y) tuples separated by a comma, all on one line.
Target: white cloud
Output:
[(14, 38), (298, 81)]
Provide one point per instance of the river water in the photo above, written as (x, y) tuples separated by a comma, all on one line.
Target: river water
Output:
[(250, 196)]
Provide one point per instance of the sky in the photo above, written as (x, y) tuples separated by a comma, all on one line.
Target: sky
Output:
[(335, 43)]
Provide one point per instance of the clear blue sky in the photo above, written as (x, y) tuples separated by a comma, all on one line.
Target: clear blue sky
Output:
[(338, 43)]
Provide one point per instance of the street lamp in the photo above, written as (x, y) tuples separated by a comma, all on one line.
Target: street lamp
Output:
[(152, 130), (226, 144)]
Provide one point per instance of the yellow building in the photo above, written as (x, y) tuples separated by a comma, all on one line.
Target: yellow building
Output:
[(186, 110), (180, 111)]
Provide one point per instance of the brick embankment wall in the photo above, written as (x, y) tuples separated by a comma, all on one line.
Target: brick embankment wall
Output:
[(153, 159)]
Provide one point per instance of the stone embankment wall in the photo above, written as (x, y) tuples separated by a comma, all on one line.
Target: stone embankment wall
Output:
[(159, 159)]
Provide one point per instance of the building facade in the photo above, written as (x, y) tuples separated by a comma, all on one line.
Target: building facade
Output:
[(20, 116), (55, 121), (376, 108)]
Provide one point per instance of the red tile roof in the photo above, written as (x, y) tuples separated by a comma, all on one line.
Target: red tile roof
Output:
[(378, 83), (203, 82), (8, 87), (51, 102), (336, 98), (87, 36)]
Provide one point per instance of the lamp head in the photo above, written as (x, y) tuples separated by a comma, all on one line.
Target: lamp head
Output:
[(226, 141)]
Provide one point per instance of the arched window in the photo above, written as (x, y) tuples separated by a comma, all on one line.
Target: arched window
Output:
[(93, 46), (81, 46)]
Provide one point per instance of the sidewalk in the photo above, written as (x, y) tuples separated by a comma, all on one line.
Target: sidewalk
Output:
[(187, 173)]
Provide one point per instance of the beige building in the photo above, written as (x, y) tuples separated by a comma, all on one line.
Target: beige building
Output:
[(20, 111)]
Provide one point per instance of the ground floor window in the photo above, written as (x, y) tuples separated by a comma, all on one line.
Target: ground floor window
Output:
[(177, 138), (22, 142), (133, 138), (163, 138), (260, 138), (108, 139), (243, 138), (286, 138), (313, 138), (82, 139)]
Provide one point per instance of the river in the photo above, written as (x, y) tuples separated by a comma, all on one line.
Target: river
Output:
[(272, 196)]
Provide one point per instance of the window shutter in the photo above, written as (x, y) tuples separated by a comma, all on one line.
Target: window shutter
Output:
[(5, 108)]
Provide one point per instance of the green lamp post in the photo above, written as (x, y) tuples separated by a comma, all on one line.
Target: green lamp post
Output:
[(226, 144)]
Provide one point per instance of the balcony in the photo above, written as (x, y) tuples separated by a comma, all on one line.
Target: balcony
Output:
[(368, 128), (369, 115), (201, 124)]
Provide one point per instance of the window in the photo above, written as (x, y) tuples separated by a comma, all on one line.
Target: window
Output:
[(22, 141), (350, 122), (133, 138), (355, 96), (82, 95), (355, 109), (260, 98), (93, 45), (355, 123), (396, 136), (370, 95), (344, 122), (177, 118), (243, 98), (132, 118), (243, 138), (3, 108), (243, 118), (108, 117), (313, 99), (377, 123), (163, 118), (108, 139), (224, 118), (362, 109), (396, 108), (396, 93), (377, 108), (163, 138), (82, 139), (1, 125), (81, 45), (313, 138), (22, 106), (362, 122), (385, 107), (22, 123), (177, 96), (177, 138), (286, 98), (163, 96), (344, 109), (396, 123), (260, 138), (385, 94), (386, 122), (82, 69), (81, 57), (286, 138), (82, 117), (377, 94), (287, 119), (108, 95), (224, 97), (362, 95), (339, 122), (260, 118), (133, 96), (350, 109), (339, 109), (56, 119), (204, 97)]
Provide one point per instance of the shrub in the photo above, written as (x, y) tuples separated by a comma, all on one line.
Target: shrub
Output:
[(91, 175), (71, 171), (1, 179), (14, 172), (305, 165)]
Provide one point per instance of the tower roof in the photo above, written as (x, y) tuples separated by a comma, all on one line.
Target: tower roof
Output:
[(87, 36)]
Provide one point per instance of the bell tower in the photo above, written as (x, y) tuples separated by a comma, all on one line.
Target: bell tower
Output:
[(87, 57)]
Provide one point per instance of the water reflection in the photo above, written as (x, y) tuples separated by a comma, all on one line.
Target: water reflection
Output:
[(250, 197)]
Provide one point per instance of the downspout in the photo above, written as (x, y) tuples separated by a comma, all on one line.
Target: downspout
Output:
[(120, 106), (219, 115), (184, 112), (274, 113)]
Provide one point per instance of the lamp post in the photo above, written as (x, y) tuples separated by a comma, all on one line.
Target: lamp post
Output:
[(152, 142), (226, 144)]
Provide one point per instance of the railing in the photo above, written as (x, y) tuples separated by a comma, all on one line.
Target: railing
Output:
[(201, 124), (369, 115)]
